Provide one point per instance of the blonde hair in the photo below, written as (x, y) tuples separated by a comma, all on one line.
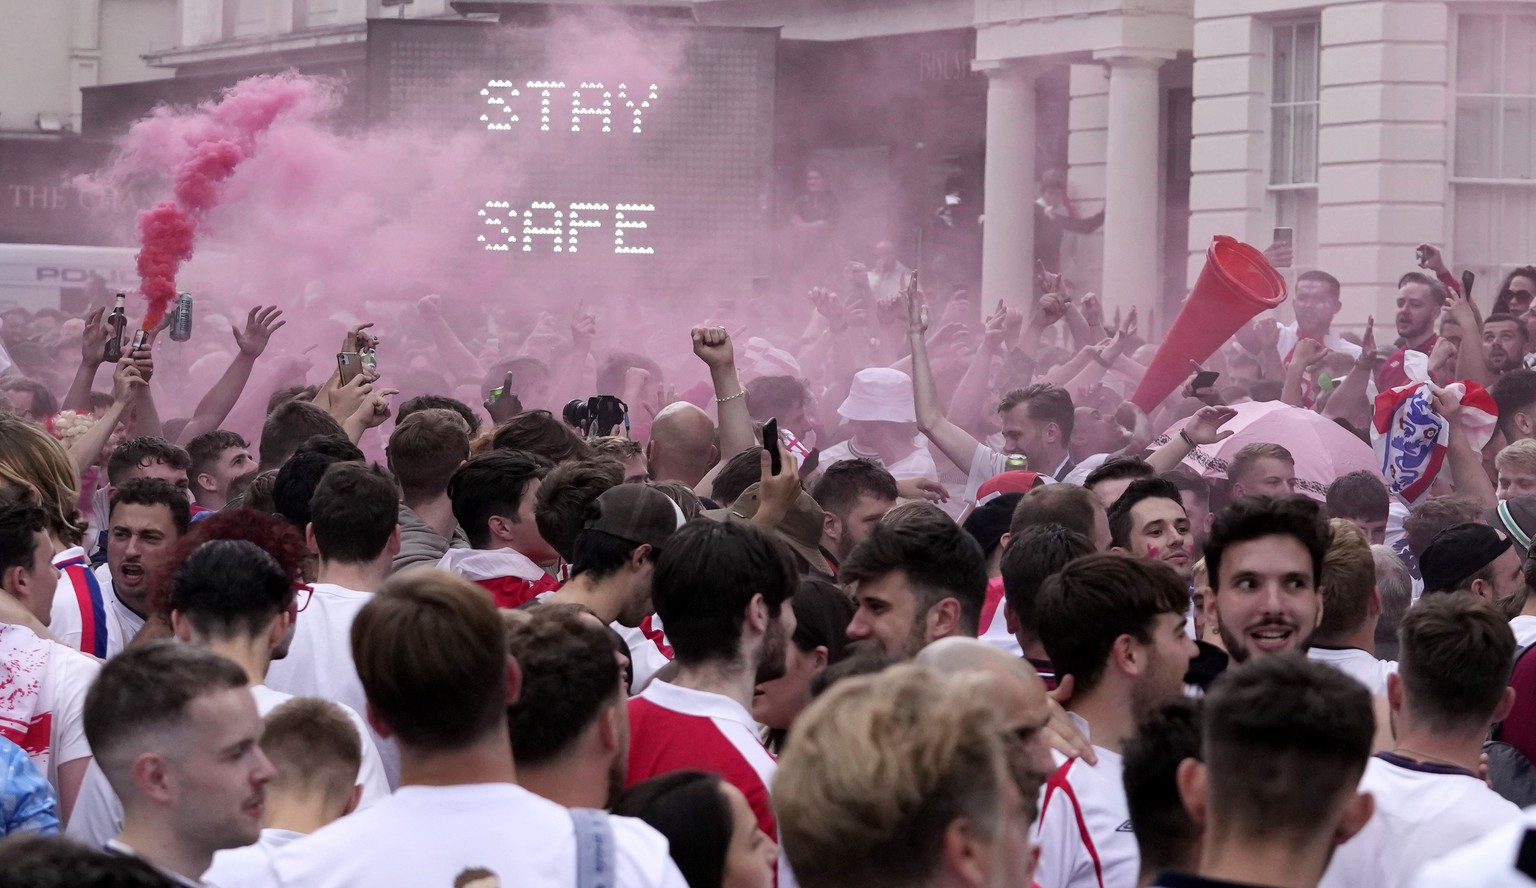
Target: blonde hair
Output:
[(880, 764), (1349, 575), (1519, 456), (32, 460)]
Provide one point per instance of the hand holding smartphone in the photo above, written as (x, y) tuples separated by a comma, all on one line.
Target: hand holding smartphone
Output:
[(348, 366), (771, 444)]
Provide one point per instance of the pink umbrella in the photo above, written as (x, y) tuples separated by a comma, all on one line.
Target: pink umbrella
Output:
[(1323, 449)]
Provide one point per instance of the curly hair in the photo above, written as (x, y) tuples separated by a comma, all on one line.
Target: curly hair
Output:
[(275, 536)]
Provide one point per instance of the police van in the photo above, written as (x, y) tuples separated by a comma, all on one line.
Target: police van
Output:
[(34, 276)]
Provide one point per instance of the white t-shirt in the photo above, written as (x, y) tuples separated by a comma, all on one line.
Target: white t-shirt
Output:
[(1422, 812), (917, 464), (1488, 862), (1085, 834), (123, 624), (251, 866), (1360, 665), (430, 835), (1288, 339), (98, 814), (646, 656), (70, 675), (319, 661), (1524, 627), (44, 684), (987, 463)]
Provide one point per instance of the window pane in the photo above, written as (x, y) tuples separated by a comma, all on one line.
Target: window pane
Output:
[(1282, 64), (1296, 209), (1306, 62), (1476, 210), (1517, 225), (1518, 141), (1520, 55), (1280, 146), (1475, 137), (1304, 157), (1477, 48)]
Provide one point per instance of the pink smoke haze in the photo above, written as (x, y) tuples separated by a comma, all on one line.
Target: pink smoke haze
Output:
[(196, 152)]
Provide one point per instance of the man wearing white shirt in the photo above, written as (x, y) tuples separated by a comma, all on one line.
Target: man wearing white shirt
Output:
[(431, 653), (613, 563), (1115, 623), (1316, 302), (354, 525), (175, 729), (1457, 652), (1346, 637), (148, 518), (42, 683), (316, 752), (234, 599)]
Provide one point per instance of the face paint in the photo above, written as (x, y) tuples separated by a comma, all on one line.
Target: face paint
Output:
[(1154, 552)]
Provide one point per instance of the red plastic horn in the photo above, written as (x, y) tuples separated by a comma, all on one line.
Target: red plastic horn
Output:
[(1236, 284)]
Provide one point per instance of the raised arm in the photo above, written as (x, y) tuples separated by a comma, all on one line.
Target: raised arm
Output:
[(214, 408), (965, 408), (93, 345), (457, 359), (713, 347), (1350, 396), (953, 441), (1203, 428), (1466, 463), (1471, 359), (127, 385), (1308, 354)]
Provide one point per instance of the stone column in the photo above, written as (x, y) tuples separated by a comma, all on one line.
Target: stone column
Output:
[(1132, 186), (1008, 236)]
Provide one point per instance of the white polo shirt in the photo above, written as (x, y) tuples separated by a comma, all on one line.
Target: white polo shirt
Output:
[(1423, 811), (1085, 834), (1360, 665), (432, 835), (251, 866)]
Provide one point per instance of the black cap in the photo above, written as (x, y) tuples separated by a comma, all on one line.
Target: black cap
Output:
[(1458, 552), (989, 521)]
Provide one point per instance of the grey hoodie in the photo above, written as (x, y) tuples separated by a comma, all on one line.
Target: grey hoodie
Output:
[(420, 545)]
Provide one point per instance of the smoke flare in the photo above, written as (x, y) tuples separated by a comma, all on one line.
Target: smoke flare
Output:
[(198, 152)]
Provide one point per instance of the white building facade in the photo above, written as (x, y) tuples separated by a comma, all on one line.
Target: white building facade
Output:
[(1365, 126)]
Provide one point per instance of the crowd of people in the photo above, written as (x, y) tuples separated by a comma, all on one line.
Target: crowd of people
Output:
[(870, 593)]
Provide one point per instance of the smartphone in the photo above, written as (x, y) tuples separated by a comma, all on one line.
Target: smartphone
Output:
[(1422, 256), (771, 444), (1204, 380), (348, 365), (812, 460), (1287, 236)]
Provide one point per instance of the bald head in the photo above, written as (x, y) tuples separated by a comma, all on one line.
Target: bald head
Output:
[(1018, 690), (682, 445)]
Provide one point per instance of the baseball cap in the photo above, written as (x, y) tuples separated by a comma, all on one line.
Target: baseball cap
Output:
[(1458, 552), (1517, 517), (634, 513), (800, 528), (989, 521), (1016, 481)]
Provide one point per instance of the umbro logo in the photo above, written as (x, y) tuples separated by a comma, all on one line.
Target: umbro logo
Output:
[(1125, 827)]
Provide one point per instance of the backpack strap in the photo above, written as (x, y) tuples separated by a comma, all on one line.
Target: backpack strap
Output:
[(595, 853)]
